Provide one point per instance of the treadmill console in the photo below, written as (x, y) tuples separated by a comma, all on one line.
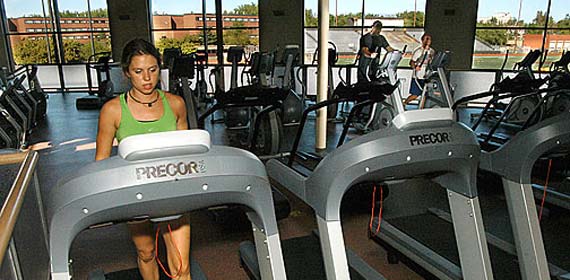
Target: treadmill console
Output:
[(165, 144)]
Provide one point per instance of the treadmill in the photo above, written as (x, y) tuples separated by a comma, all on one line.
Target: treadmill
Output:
[(513, 162), (539, 140), (417, 143), (158, 175)]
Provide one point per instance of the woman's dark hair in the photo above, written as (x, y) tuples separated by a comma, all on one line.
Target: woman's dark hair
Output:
[(425, 35), (137, 47)]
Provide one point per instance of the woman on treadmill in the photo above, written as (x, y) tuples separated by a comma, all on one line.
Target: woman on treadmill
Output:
[(146, 109)]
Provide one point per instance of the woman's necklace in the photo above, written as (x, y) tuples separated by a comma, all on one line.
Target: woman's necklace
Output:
[(149, 104)]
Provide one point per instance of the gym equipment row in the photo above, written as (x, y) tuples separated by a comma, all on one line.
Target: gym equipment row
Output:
[(426, 143), (23, 105), (264, 106), (382, 156)]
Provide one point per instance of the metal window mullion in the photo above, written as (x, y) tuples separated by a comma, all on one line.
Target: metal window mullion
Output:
[(48, 48), (205, 31), (219, 33), (545, 32), (6, 37), (91, 26), (58, 41)]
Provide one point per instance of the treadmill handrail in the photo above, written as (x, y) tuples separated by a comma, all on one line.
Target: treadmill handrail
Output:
[(498, 95), (117, 190), (15, 199), (514, 162), (374, 96), (424, 115), (379, 154)]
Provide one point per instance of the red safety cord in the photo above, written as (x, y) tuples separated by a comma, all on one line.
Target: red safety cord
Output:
[(177, 250), (544, 192), (379, 212)]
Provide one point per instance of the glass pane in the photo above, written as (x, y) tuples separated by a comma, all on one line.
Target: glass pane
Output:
[(187, 40), (82, 29), (102, 42), (31, 21), (491, 45), (349, 13), (343, 12), (27, 16), (241, 37), (343, 40), (179, 24), (241, 24), (395, 14), (512, 13), (311, 13), (560, 13), (240, 7), (557, 41), (32, 49)]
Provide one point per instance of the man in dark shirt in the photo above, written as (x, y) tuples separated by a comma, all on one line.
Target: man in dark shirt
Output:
[(370, 44)]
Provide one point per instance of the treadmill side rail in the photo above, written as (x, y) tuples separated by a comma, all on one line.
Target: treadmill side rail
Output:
[(333, 249), (470, 236), (282, 173), (526, 230), (268, 249)]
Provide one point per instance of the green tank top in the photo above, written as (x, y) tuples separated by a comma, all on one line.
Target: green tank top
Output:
[(130, 126)]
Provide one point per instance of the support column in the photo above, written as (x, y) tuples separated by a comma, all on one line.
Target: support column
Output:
[(322, 77), (220, 79)]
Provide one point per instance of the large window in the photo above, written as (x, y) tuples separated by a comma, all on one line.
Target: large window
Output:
[(84, 28), (513, 25), (518, 27), (36, 37), (29, 30), (190, 27), (403, 24)]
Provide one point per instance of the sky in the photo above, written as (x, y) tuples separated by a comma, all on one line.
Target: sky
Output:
[(560, 8)]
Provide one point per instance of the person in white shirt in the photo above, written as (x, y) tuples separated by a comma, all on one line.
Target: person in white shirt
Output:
[(421, 57)]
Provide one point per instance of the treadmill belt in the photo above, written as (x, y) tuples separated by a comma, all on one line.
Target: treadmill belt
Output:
[(304, 260), (556, 241), (302, 256), (133, 274), (554, 230), (130, 274), (438, 235)]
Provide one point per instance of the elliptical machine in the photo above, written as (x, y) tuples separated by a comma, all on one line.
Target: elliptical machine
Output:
[(379, 115), (260, 101), (520, 108), (437, 92), (100, 62), (182, 74), (201, 88), (233, 118), (559, 78), (292, 108)]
